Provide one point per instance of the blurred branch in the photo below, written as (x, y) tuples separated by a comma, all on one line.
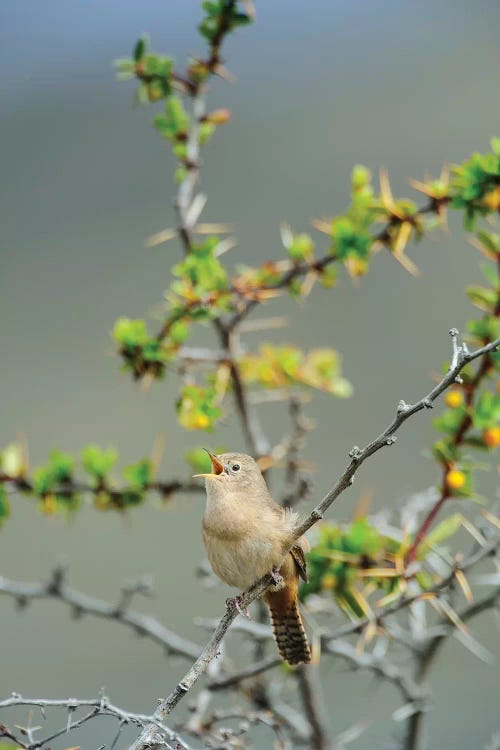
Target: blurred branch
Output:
[(415, 731), (298, 483), (295, 270), (71, 488), (257, 441), (80, 604), (151, 738), (310, 691)]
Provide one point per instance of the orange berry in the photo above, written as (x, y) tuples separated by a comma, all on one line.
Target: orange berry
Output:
[(491, 437), (454, 399), (455, 479), (218, 117)]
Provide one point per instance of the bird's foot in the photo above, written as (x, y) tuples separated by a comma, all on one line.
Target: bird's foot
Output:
[(236, 601), (277, 577)]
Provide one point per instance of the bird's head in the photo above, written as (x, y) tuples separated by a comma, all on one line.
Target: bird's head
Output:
[(233, 471)]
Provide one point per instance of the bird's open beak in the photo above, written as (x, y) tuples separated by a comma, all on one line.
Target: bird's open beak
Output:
[(217, 466)]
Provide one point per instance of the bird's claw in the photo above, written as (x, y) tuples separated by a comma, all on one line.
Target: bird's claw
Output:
[(237, 603)]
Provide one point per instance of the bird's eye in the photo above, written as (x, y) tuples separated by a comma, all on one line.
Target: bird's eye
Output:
[(236, 467)]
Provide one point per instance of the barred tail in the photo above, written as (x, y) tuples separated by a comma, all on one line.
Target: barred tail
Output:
[(287, 623)]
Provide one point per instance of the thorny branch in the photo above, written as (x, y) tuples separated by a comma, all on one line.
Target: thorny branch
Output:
[(151, 737), (414, 738), (413, 690), (100, 706), (70, 488), (82, 604)]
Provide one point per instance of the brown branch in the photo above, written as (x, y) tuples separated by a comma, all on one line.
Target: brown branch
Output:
[(309, 689), (72, 487)]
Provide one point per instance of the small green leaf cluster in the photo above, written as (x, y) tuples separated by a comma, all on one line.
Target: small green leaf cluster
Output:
[(153, 71), (174, 125), (99, 462), (357, 562), (157, 80), (351, 233), (143, 354), (345, 559), (476, 185), (57, 488), (221, 18), (198, 408), (200, 273), (285, 366), (4, 505)]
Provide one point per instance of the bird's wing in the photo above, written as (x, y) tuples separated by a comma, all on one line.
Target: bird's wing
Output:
[(300, 561)]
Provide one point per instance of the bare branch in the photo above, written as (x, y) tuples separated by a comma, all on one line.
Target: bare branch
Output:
[(309, 688), (100, 706), (83, 604), (415, 731)]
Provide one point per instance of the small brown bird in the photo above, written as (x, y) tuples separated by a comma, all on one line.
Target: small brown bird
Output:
[(246, 535)]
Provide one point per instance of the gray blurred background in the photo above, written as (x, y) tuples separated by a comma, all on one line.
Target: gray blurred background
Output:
[(320, 86)]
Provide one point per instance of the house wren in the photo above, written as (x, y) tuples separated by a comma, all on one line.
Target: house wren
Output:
[(247, 535)]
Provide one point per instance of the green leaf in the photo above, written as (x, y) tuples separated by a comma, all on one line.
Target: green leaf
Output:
[(491, 275), (301, 247), (4, 505), (62, 465), (130, 333), (98, 462), (445, 452), (360, 177), (140, 48), (362, 538), (205, 132), (139, 475), (487, 411), (481, 297), (179, 332), (490, 240), (495, 145), (450, 420)]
